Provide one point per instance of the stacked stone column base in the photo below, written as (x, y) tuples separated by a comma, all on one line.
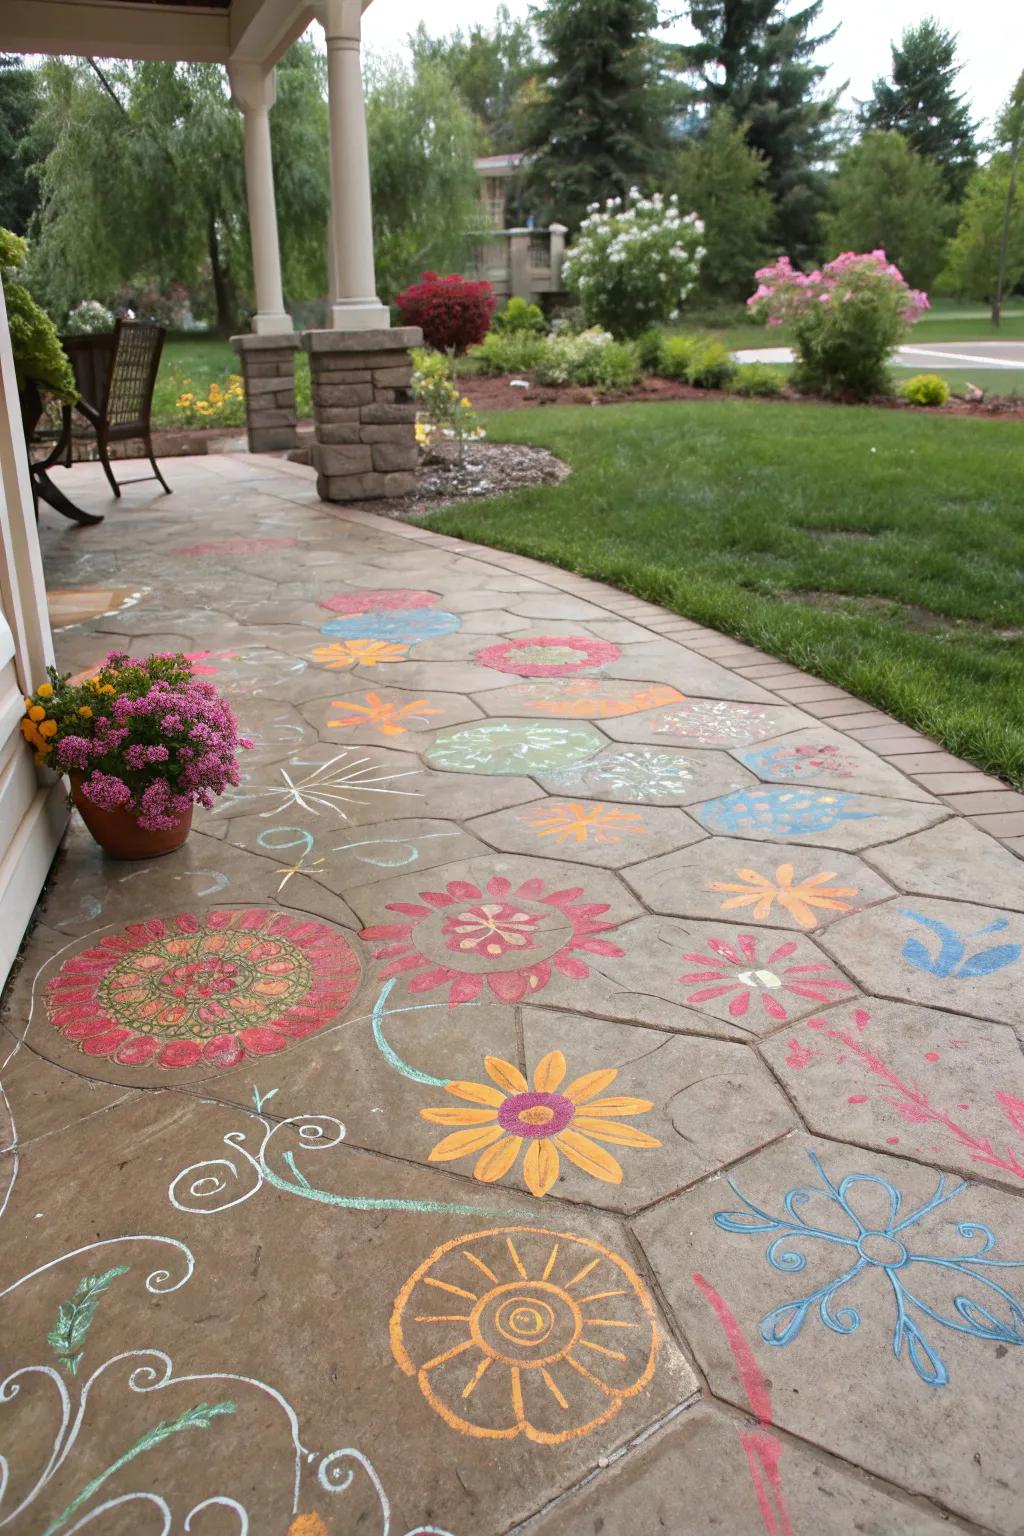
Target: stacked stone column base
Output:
[(364, 412), (268, 373)]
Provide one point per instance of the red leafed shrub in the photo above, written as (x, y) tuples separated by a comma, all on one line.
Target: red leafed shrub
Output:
[(451, 311)]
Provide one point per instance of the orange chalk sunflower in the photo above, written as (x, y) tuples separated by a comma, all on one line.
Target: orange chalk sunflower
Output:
[(571, 1122), (797, 898)]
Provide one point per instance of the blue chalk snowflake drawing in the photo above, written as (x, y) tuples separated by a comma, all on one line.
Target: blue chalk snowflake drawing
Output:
[(869, 1248), (408, 626), (951, 958), (780, 812)]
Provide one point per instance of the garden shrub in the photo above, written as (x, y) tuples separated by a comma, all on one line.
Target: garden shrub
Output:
[(648, 348), (757, 379), (518, 317), (711, 365), (443, 412), (593, 359), (452, 312), (674, 354), (89, 318), (926, 389), (511, 352), (845, 320), (634, 262), (39, 357)]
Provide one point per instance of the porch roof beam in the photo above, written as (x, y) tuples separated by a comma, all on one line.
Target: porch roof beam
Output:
[(92, 27)]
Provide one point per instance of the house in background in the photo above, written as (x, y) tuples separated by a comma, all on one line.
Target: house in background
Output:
[(518, 261)]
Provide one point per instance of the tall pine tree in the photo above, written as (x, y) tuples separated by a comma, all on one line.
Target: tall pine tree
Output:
[(920, 101), (600, 125), (758, 59)]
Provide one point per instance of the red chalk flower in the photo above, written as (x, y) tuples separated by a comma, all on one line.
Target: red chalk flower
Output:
[(548, 655), (733, 971), (203, 989), (506, 940)]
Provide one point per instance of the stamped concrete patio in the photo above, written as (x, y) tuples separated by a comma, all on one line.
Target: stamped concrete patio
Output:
[(566, 1088)]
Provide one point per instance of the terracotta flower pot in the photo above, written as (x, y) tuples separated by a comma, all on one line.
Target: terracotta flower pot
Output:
[(119, 834)]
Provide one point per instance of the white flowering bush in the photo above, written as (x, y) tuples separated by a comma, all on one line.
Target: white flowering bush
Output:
[(593, 359), (634, 262), (89, 319)]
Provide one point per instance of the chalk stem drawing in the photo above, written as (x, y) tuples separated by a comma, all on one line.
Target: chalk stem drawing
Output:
[(199, 1417), (915, 1106), (151, 1370), (194, 1187), (391, 1056), (763, 1452)]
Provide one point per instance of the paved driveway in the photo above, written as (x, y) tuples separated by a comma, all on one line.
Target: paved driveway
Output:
[(571, 1084), (937, 355)]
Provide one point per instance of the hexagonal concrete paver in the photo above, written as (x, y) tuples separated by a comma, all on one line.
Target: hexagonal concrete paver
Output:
[(953, 859), (716, 978), (778, 883), (821, 756), (576, 698), (646, 776), (946, 954), (514, 746), (275, 728), (842, 1273), (385, 716), (587, 831), (724, 1479), (499, 926), (707, 723), (939, 1087), (825, 817)]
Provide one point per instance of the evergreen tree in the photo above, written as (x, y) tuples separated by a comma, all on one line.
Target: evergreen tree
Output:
[(757, 58), (920, 102), (600, 124), (886, 195), (492, 70), (18, 98), (723, 179)]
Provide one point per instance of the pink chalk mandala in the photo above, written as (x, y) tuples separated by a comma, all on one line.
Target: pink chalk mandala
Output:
[(203, 988), (548, 655), (376, 599)]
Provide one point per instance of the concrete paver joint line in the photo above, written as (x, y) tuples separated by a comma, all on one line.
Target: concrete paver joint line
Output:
[(595, 1038)]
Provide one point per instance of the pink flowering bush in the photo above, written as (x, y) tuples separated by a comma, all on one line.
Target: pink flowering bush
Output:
[(143, 734), (846, 320)]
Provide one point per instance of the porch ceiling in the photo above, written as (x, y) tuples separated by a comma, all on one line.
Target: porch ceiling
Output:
[(202, 31)]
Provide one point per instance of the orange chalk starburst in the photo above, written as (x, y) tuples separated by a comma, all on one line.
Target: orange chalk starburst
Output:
[(798, 898), (358, 653), (570, 821), (389, 718), (548, 1122)]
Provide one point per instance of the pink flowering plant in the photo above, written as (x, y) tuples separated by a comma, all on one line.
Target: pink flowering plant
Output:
[(144, 735), (845, 320)]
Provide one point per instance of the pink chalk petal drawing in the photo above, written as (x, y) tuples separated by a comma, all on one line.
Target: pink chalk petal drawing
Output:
[(548, 655)]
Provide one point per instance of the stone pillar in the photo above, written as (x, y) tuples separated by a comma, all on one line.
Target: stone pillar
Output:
[(519, 263), (354, 302), (364, 412), (557, 234), (268, 372), (254, 92)]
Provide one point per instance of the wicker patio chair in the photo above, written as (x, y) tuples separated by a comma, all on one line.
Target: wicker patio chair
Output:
[(123, 389)]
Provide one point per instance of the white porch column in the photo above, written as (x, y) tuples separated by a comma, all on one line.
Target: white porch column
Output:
[(253, 91), (354, 302)]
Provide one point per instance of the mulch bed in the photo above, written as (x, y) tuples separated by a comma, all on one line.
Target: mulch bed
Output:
[(500, 394)]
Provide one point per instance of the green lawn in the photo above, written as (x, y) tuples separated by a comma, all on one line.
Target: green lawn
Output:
[(881, 552)]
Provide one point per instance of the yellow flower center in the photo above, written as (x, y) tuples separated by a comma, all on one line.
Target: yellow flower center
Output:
[(540, 1114)]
